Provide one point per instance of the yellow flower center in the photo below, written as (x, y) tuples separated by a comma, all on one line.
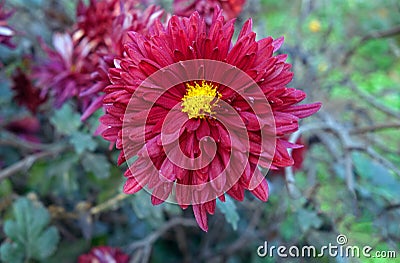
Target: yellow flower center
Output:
[(200, 99)]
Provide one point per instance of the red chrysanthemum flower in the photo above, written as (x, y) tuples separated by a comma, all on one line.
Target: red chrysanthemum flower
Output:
[(6, 32), (206, 8), (75, 67), (25, 92), (198, 113), (104, 254)]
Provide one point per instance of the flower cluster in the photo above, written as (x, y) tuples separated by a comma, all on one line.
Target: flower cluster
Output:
[(206, 8), (77, 66), (185, 39)]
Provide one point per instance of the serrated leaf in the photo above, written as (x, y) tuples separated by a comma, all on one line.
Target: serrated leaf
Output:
[(62, 165), (228, 208), (97, 164), (143, 208), (308, 219), (46, 243), (154, 215), (65, 120), (82, 142), (377, 175), (9, 252), (10, 229), (28, 233)]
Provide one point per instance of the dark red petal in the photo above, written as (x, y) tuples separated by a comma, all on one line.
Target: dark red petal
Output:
[(246, 28), (217, 177), (210, 206), (261, 191), (304, 111), (201, 216), (237, 192), (203, 130), (131, 186), (282, 157), (277, 43), (192, 124), (156, 201)]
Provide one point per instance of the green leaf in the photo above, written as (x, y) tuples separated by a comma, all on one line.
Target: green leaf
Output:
[(58, 176), (46, 243), (65, 120), (82, 142), (287, 228), (154, 215), (9, 252), (97, 164), (28, 233), (61, 165), (377, 176), (309, 219), (143, 208), (228, 208), (69, 250), (5, 188)]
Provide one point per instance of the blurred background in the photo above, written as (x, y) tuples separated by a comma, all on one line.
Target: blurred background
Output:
[(61, 191)]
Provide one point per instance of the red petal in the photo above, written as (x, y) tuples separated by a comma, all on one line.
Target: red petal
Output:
[(277, 43), (167, 171), (237, 192), (304, 111), (261, 191), (131, 186), (156, 200), (210, 207), (201, 216)]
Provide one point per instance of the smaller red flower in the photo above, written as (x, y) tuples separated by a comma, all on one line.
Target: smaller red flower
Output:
[(25, 92), (67, 70), (6, 32), (78, 65), (26, 128), (110, 36), (104, 254), (206, 8)]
